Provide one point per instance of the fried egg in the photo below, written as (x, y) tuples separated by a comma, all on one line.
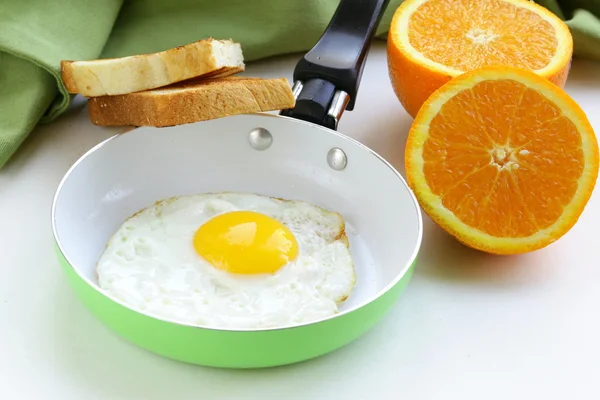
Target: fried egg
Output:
[(230, 260)]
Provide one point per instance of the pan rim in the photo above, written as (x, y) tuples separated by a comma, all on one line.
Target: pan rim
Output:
[(360, 305)]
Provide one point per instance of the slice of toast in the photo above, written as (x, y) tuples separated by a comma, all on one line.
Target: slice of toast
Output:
[(114, 76), (192, 101)]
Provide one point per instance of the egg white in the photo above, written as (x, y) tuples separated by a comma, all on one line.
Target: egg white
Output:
[(150, 263)]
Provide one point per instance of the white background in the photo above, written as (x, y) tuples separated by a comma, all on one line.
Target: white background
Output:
[(469, 326)]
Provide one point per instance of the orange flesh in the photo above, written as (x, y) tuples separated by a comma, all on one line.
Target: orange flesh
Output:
[(503, 158), (468, 34)]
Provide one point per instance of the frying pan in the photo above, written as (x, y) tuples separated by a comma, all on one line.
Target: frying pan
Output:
[(297, 155)]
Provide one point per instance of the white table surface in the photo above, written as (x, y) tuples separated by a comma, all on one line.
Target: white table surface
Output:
[(469, 326)]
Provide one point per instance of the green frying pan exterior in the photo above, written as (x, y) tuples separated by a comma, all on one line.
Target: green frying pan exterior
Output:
[(232, 349)]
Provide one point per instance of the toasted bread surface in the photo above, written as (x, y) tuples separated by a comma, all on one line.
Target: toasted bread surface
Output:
[(192, 101), (116, 76)]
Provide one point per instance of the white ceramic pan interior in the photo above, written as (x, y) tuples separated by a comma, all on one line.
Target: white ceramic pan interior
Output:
[(132, 171)]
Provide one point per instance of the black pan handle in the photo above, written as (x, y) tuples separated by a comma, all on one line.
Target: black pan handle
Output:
[(326, 79)]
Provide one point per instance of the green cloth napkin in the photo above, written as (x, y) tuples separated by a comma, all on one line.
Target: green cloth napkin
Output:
[(36, 34)]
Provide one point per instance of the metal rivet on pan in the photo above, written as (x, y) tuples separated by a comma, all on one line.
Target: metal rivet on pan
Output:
[(336, 158), (260, 138)]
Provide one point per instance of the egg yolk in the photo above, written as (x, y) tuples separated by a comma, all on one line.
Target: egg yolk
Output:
[(245, 242)]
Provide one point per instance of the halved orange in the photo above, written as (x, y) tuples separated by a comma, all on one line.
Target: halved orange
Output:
[(433, 41), (502, 159)]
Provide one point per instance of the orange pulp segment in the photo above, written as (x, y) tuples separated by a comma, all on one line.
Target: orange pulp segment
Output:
[(432, 41), (502, 159)]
